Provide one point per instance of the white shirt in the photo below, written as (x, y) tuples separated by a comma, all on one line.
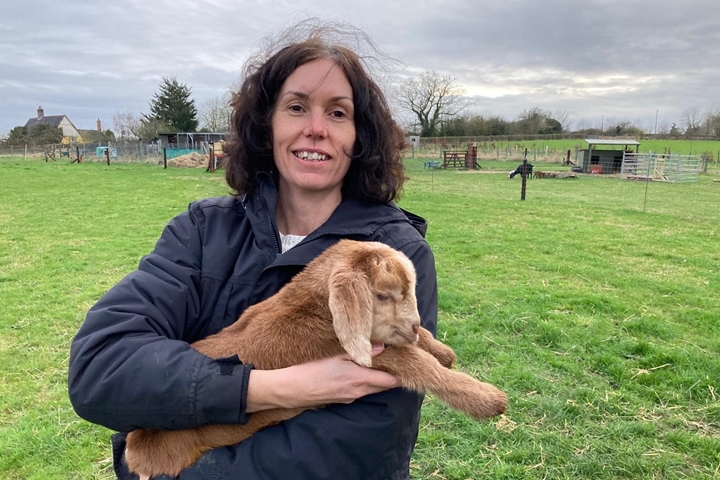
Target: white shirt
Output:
[(289, 241)]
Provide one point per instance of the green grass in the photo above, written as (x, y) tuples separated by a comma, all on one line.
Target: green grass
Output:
[(595, 309)]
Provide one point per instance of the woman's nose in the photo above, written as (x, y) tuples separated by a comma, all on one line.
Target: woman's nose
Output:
[(317, 125)]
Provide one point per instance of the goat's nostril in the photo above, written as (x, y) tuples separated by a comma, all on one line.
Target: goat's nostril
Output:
[(416, 329)]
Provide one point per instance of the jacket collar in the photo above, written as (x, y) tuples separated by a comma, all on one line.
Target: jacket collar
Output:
[(351, 218)]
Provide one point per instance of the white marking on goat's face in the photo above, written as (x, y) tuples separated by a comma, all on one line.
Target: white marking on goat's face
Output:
[(395, 315)]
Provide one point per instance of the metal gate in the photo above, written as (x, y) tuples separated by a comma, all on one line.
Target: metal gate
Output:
[(674, 168)]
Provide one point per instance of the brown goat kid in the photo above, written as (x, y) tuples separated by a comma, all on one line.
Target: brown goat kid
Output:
[(353, 294)]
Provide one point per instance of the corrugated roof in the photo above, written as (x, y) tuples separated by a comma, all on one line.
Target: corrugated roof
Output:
[(608, 141)]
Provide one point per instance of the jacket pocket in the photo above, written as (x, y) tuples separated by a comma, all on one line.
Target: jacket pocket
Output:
[(223, 306)]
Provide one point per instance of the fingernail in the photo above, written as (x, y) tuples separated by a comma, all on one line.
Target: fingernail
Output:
[(377, 347)]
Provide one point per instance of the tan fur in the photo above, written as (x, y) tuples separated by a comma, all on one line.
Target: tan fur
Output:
[(353, 294), (539, 174)]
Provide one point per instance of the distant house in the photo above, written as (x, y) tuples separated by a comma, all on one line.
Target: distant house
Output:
[(93, 136), (62, 121)]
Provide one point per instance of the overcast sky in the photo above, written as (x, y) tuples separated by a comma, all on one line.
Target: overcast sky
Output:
[(592, 59)]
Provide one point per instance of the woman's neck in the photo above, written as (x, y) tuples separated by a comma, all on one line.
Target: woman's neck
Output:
[(301, 215)]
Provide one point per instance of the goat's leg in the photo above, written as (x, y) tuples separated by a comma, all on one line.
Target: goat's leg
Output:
[(418, 370), (445, 355), (157, 452)]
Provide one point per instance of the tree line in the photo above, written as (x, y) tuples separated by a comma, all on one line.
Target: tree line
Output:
[(436, 106)]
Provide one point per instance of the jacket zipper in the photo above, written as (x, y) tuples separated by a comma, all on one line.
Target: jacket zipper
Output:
[(270, 222)]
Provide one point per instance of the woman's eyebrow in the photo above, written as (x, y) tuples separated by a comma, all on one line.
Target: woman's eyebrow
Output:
[(305, 96), (302, 95), (341, 97)]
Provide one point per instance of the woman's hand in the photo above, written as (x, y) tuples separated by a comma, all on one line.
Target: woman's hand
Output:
[(331, 380)]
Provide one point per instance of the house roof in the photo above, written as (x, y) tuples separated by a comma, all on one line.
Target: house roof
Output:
[(92, 135), (50, 120), (608, 141)]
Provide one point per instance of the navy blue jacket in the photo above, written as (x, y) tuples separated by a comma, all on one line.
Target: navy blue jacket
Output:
[(131, 365)]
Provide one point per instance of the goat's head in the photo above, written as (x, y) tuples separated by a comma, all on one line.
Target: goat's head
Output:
[(372, 298)]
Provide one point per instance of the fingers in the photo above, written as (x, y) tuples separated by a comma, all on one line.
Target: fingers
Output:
[(370, 380), (340, 380), (380, 381), (331, 380)]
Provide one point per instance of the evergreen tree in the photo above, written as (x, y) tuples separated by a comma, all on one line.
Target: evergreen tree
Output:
[(17, 136), (173, 106), (45, 134)]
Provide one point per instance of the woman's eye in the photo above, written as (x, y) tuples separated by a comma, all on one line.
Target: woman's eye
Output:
[(295, 108), (338, 114)]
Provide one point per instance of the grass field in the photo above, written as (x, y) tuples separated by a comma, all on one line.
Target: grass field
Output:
[(594, 303)]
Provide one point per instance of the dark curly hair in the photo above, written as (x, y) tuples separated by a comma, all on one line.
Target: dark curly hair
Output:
[(376, 170)]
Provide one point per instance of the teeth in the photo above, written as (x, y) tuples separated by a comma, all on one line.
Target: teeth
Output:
[(311, 155)]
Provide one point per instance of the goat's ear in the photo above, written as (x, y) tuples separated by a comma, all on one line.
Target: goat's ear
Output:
[(351, 305)]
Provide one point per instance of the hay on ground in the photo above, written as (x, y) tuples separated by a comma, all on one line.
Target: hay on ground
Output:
[(191, 160)]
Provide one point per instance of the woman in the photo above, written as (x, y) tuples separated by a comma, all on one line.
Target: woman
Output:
[(315, 157)]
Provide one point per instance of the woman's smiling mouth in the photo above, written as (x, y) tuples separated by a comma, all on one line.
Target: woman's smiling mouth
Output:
[(311, 156)]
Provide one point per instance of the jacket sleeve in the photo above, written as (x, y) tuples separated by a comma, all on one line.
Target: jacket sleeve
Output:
[(370, 439), (129, 367)]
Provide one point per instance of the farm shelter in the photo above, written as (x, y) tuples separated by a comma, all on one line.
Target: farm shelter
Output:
[(182, 143), (596, 159), (61, 121), (672, 168)]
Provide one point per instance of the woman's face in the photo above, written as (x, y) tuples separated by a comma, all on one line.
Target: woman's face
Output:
[(313, 130)]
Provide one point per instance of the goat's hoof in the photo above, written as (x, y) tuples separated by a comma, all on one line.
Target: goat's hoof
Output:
[(487, 404), (446, 357), (500, 404)]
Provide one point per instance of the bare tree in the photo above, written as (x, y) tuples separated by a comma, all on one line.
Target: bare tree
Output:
[(584, 124), (663, 128), (622, 126), (150, 128), (537, 121), (126, 125), (691, 120), (215, 113), (563, 118), (712, 122), (433, 98)]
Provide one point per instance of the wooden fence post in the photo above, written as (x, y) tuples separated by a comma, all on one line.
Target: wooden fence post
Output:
[(524, 177)]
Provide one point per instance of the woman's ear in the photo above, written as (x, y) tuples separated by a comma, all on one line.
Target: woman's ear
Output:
[(351, 305)]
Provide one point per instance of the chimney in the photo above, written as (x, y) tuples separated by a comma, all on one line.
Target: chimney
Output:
[(99, 125), (41, 113)]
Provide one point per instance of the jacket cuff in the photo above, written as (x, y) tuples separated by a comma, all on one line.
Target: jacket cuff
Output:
[(244, 416), (231, 366), (221, 397)]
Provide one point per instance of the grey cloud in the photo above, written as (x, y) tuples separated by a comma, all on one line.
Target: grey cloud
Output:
[(90, 59)]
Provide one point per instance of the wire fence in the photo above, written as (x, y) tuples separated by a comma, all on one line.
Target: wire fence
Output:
[(120, 152), (498, 151)]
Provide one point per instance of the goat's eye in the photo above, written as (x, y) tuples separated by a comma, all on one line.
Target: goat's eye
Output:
[(382, 298)]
